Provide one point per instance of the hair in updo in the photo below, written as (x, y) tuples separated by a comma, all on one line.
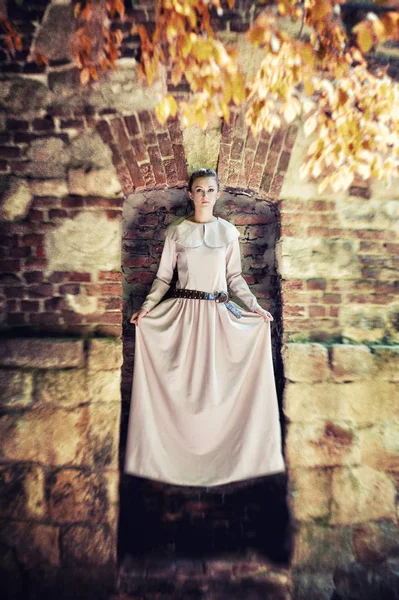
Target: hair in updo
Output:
[(202, 173)]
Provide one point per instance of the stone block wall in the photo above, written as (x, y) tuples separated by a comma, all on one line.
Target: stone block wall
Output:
[(59, 472), (341, 405)]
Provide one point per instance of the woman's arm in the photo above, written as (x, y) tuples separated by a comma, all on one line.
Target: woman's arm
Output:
[(237, 283), (163, 277)]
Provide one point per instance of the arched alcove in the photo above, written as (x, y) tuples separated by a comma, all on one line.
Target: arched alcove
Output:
[(242, 519)]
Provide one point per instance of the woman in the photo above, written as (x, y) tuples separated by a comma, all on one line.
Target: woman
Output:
[(204, 409)]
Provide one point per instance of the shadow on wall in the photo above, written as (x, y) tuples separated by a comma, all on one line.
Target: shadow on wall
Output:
[(238, 519)]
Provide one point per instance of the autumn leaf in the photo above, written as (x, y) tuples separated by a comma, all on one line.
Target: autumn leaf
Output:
[(364, 37)]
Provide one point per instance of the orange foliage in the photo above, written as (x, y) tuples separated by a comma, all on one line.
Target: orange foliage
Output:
[(12, 38), (96, 47)]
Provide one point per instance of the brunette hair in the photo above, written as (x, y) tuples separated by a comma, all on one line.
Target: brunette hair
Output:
[(202, 173)]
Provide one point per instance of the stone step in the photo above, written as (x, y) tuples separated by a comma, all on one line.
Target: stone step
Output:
[(209, 579)]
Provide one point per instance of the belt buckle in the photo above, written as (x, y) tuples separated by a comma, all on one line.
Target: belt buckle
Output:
[(221, 297)]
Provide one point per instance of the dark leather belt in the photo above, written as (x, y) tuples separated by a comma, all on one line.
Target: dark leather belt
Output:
[(219, 297)]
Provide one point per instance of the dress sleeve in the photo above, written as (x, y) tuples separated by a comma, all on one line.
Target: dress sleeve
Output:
[(163, 277), (235, 280)]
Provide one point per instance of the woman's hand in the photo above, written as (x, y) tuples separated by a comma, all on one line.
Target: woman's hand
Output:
[(264, 313), (138, 315)]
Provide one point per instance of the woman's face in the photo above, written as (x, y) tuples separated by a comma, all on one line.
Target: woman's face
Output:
[(204, 192)]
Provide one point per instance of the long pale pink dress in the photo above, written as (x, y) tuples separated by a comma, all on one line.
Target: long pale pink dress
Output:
[(204, 408)]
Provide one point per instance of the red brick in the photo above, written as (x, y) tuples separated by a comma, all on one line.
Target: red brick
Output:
[(42, 290), (105, 132), (120, 134), (316, 284), (10, 266), (227, 131), (165, 145), (45, 320), (237, 148), (246, 167), (272, 161), (111, 303), (75, 124), (175, 130), (70, 288), (56, 213), (30, 306), (43, 124), (331, 298), (17, 125), (319, 232), (141, 276), (132, 125), (134, 170), (117, 158), (157, 165), (254, 219), (104, 202), (9, 241), (276, 186), (139, 149), (19, 252), (148, 175), (146, 122), (138, 261), (57, 276), (292, 284), (148, 220), (73, 202), (180, 157), (79, 277), (34, 277), (294, 311), (3, 166), (35, 264), (171, 173), (233, 172), (110, 276), (256, 177), (10, 152), (13, 292), (125, 179), (110, 289), (283, 161), (261, 153), (317, 311), (391, 248), (266, 182), (334, 311)]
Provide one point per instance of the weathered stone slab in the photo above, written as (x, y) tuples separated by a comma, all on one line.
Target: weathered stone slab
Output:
[(15, 198), (55, 35), (24, 95), (322, 444), (313, 586), (98, 250), (105, 354), (22, 491), (48, 187), (48, 158), (75, 495), (15, 388), (105, 386), (305, 362), (386, 360), (88, 545), (98, 182), (318, 257), (361, 402), (320, 547), (43, 353), (361, 494), (310, 493), (379, 446), (363, 323), (46, 435), (35, 544), (375, 542), (104, 434), (62, 388), (350, 362)]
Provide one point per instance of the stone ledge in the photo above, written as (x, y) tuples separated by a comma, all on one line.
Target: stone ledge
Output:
[(105, 354), (41, 353)]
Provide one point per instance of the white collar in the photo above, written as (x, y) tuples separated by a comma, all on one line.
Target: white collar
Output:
[(191, 235)]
